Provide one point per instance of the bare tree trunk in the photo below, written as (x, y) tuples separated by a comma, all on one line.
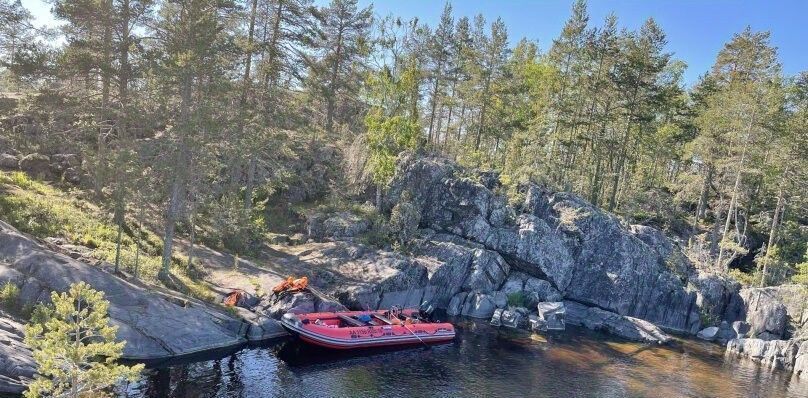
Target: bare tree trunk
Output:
[(776, 217), (248, 188), (248, 57), (733, 201), (192, 239), (118, 248), (170, 224), (449, 118), (137, 243), (482, 113), (434, 104), (333, 86), (701, 208), (178, 179)]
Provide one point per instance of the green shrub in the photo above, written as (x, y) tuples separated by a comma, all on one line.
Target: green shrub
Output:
[(8, 297), (517, 299), (801, 277), (745, 279), (706, 318)]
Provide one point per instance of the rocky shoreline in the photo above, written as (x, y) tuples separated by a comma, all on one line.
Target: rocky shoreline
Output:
[(626, 280), (472, 255)]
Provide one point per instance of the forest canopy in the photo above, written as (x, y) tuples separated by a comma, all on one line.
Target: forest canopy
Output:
[(203, 110)]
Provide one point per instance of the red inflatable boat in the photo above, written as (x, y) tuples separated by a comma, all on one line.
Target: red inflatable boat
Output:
[(364, 329)]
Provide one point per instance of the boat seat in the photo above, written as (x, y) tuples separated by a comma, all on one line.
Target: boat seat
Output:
[(383, 319), (351, 320)]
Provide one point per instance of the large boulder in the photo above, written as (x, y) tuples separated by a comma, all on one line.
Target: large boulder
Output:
[(795, 299), (708, 333), (155, 323), (299, 303), (63, 161), (17, 366), (629, 328), (456, 265), (801, 362), (37, 165), (476, 304), (778, 354), (535, 290), (634, 272), (338, 225), (714, 292), (73, 175), (761, 308), (619, 272), (8, 161)]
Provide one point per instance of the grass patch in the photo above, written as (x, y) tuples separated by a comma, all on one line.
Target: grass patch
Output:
[(43, 211), (194, 288)]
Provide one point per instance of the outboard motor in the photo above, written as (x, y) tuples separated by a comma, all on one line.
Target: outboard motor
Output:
[(426, 310)]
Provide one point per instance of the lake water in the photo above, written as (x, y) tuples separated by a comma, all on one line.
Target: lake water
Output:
[(481, 362)]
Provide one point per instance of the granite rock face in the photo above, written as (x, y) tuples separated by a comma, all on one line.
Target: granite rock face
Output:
[(766, 314), (476, 304), (714, 292), (778, 354), (456, 265), (583, 253), (155, 323), (535, 290), (17, 367)]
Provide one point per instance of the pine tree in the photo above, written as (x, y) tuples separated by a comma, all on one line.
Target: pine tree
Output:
[(747, 72), (438, 48), (279, 35), (345, 30), (74, 346), (190, 43), (18, 42)]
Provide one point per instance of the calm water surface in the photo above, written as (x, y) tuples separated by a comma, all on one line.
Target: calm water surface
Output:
[(481, 362)]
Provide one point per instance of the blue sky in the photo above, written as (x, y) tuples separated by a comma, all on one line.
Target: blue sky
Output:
[(696, 29)]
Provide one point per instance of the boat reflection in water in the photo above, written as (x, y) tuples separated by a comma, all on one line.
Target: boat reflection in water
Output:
[(481, 361)]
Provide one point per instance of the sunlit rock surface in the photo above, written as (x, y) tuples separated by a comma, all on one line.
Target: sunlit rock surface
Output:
[(155, 323)]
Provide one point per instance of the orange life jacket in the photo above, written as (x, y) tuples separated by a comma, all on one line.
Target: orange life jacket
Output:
[(299, 284), (283, 285), (232, 299), (291, 284)]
